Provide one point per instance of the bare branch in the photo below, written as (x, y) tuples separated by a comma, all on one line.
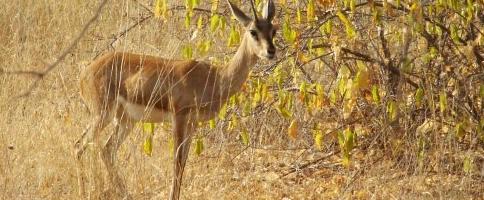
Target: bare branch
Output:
[(39, 75)]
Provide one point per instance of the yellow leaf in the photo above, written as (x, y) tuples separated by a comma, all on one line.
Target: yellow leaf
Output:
[(292, 131), (302, 92)]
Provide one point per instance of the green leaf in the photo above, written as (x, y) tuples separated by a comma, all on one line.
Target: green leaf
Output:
[(284, 112), (222, 112), (419, 94), (352, 6), (362, 78), (333, 97), (346, 159), (204, 46), (326, 28), (288, 33), (247, 108), (375, 94), (459, 130), (188, 19), (443, 102), (190, 4), (200, 23), (341, 140), (310, 11), (187, 52), (234, 37), (349, 139), (149, 128), (211, 123), (318, 140), (160, 9), (199, 146), (467, 165), (233, 123), (214, 22), (148, 145), (350, 30), (392, 110), (245, 137)]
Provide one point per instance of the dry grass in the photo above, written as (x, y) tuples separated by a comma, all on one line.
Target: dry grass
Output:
[(37, 133)]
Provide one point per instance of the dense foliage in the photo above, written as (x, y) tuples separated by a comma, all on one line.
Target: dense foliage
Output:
[(402, 77)]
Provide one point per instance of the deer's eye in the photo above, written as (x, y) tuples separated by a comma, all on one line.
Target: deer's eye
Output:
[(253, 33)]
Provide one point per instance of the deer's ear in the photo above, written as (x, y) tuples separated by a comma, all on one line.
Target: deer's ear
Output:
[(269, 10), (239, 15)]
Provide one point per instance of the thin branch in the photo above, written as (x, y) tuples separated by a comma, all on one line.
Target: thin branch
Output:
[(124, 32), (310, 163), (144, 7), (39, 75)]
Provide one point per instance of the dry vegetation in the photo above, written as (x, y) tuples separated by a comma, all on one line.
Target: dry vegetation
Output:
[(37, 132)]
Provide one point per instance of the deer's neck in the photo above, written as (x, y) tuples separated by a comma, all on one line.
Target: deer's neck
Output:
[(235, 74)]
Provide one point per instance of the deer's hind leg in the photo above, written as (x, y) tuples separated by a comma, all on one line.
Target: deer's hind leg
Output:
[(109, 152), (91, 132)]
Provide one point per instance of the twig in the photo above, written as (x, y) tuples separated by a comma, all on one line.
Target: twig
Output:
[(144, 7), (39, 75), (305, 165), (124, 32)]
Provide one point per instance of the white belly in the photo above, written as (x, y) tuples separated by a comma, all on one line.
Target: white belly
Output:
[(145, 113)]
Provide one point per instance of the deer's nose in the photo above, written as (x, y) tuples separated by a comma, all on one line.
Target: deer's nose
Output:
[(271, 52)]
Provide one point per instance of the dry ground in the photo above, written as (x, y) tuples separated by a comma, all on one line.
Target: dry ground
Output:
[(37, 132)]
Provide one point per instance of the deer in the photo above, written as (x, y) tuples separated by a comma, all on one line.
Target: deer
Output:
[(127, 88)]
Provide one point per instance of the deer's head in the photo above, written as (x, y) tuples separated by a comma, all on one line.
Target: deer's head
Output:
[(259, 32)]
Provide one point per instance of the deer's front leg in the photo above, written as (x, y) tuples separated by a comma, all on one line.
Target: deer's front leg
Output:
[(183, 128)]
